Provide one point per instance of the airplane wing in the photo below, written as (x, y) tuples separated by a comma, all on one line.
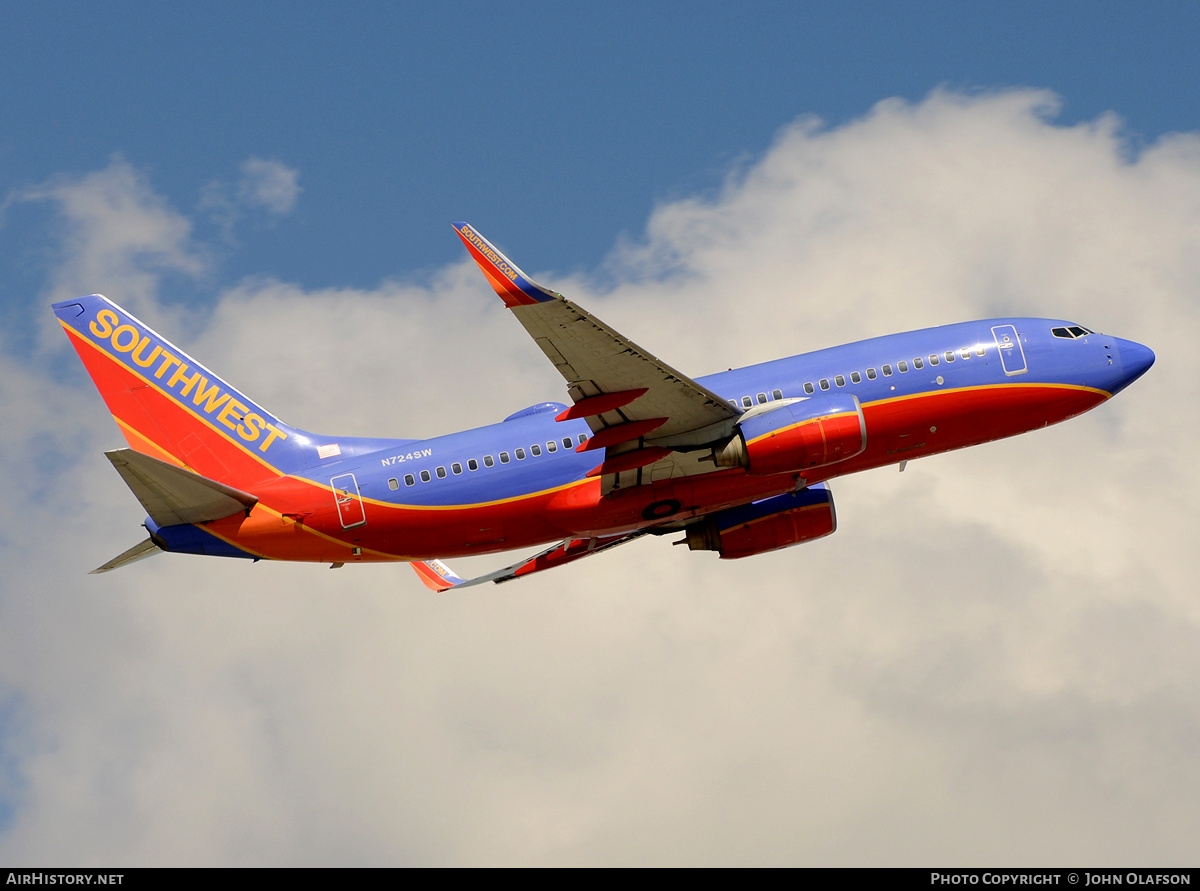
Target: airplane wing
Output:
[(437, 576), (642, 411)]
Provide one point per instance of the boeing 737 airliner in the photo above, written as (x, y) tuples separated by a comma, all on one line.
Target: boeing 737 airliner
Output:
[(734, 462)]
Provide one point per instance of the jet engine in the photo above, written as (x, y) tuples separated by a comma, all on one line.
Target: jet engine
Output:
[(796, 434), (767, 525)]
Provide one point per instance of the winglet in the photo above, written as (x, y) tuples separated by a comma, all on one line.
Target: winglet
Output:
[(514, 287), (436, 575)]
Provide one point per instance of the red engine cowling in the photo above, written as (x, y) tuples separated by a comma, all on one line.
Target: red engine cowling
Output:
[(766, 525), (797, 435)]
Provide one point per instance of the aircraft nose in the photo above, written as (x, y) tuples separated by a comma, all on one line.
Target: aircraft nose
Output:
[(1135, 359)]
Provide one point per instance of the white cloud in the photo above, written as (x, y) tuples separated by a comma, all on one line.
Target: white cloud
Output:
[(271, 185), (994, 659), (119, 236)]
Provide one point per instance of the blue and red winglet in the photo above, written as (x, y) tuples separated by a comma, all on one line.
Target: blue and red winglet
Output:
[(436, 575), (514, 287)]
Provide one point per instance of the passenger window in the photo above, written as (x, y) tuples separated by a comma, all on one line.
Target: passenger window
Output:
[(456, 467), (393, 484), (504, 457), (887, 370), (934, 360), (520, 454), (747, 402), (552, 446), (777, 394), (733, 402), (809, 388), (535, 450), (917, 363), (489, 461), (425, 476), (903, 366), (566, 442), (871, 375), (979, 351), (472, 464), (409, 480), (855, 377), (949, 355), (762, 398), (840, 380), (441, 473), (582, 438), (965, 353), (824, 383)]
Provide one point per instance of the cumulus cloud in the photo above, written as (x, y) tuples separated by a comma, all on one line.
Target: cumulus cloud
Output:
[(117, 234), (271, 185), (993, 660), (268, 186)]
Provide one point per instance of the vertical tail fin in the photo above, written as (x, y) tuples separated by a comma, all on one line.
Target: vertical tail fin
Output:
[(171, 407)]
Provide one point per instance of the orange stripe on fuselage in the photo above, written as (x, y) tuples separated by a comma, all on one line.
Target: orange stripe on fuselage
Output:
[(406, 532), (156, 424), (313, 532)]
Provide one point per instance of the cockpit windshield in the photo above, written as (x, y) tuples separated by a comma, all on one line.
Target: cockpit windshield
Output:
[(1071, 332)]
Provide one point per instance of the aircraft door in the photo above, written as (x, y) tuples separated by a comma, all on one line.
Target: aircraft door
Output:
[(349, 501), (1012, 355)]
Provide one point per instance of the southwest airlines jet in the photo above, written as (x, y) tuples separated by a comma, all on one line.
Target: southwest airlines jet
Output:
[(734, 462)]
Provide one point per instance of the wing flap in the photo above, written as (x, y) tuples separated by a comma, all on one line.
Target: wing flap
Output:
[(173, 495), (598, 405)]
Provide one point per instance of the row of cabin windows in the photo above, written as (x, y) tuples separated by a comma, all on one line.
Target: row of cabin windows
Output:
[(856, 378), (762, 398), (488, 461)]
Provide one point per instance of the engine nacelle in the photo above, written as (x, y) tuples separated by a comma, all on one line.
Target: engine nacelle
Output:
[(766, 525), (797, 435)]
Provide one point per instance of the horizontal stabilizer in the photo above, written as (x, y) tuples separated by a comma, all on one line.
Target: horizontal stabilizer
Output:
[(138, 552), (173, 495)]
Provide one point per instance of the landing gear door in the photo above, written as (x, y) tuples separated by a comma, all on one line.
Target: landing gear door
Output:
[(1012, 356), (349, 502)]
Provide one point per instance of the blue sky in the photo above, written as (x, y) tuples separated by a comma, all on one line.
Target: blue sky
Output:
[(553, 132), (271, 187)]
